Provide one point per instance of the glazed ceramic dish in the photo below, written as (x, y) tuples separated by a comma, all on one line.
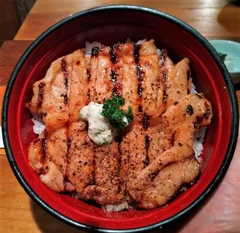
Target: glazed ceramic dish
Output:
[(109, 25), (232, 60)]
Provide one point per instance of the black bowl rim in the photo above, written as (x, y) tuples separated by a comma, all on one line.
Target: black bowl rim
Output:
[(231, 146)]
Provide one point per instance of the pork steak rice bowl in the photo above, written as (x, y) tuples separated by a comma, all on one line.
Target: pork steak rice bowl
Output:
[(119, 126)]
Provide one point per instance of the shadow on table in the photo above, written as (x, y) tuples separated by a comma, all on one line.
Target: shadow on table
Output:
[(226, 18), (49, 224)]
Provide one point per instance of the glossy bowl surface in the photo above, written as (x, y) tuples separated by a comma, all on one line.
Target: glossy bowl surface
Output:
[(109, 25)]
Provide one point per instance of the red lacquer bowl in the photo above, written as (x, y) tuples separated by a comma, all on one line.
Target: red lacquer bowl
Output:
[(109, 25)]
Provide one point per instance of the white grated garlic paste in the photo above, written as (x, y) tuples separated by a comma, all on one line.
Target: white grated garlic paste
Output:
[(99, 128)]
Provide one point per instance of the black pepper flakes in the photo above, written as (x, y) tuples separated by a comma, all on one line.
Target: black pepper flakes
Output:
[(40, 93), (189, 109), (207, 113), (95, 51)]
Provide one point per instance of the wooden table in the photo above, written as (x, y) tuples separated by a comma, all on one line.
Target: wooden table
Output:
[(214, 19)]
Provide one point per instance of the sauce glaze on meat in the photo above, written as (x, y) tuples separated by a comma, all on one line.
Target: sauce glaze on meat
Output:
[(151, 159)]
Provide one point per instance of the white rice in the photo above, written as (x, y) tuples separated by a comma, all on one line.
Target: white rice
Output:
[(141, 41), (198, 143), (193, 90), (89, 46), (38, 126), (198, 136), (118, 207), (158, 52)]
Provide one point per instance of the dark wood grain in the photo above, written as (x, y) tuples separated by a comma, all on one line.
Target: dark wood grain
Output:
[(9, 21), (213, 19), (11, 51)]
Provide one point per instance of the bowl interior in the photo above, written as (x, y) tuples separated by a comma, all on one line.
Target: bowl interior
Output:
[(109, 27)]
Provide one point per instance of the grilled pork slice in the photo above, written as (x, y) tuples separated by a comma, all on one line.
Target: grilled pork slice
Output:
[(56, 148), (77, 85), (167, 183), (103, 84), (52, 176), (105, 73), (48, 163), (130, 79), (107, 187), (50, 95), (134, 153), (150, 73), (178, 82), (35, 154), (61, 94), (159, 140), (80, 157), (191, 108), (175, 80)]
